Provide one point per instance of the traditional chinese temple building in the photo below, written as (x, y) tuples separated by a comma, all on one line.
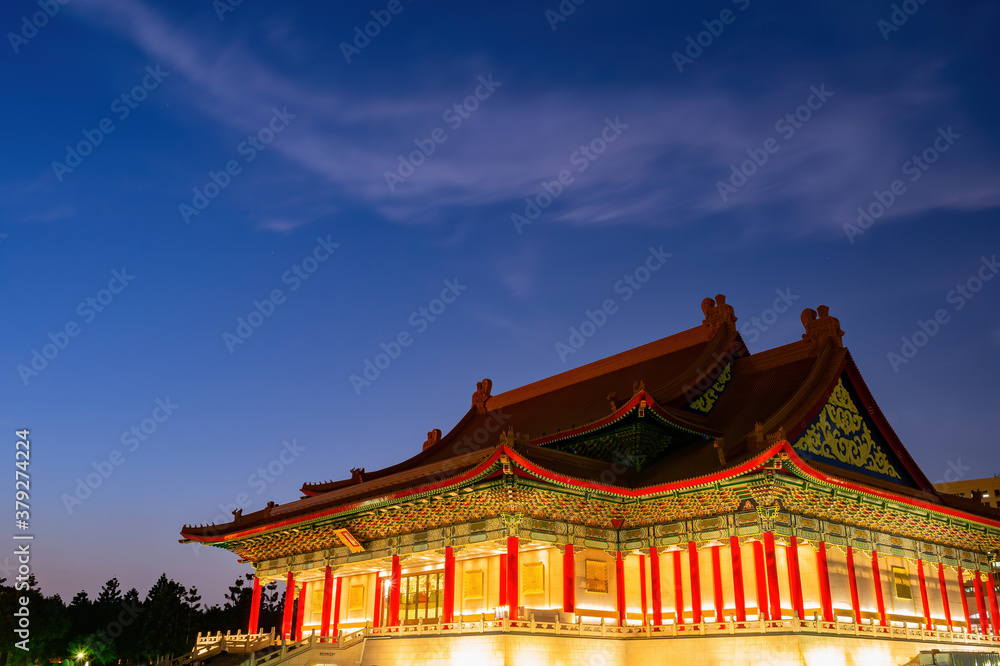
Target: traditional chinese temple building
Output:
[(685, 499)]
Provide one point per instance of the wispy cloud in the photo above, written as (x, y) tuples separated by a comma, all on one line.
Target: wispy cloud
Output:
[(662, 171)]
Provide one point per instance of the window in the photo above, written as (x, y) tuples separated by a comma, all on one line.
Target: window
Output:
[(901, 584)]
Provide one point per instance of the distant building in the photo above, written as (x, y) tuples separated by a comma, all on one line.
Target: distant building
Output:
[(985, 490), (685, 501)]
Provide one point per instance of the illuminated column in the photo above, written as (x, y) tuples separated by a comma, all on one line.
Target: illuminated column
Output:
[(771, 561), (737, 557), (512, 566), (678, 589), (823, 569), (760, 577), (717, 583), (944, 597), (503, 579), (852, 577), (654, 579), (569, 580), (377, 620), (286, 618), (394, 583), (965, 602), (620, 588), (984, 621), (324, 626), (877, 580), (695, 582), (301, 619), (448, 612), (336, 601), (795, 578), (995, 612), (254, 607), (642, 587), (923, 595)]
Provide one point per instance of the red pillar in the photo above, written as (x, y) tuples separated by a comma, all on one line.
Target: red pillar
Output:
[(823, 570), (771, 561), (852, 577), (795, 577), (324, 626), (984, 622), (301, 619), (965, 602), (620, 588), (695, 582), (760, 577), (877, 580), (923, 595), (286, 617), (254, 607), (336, 602), (995, 612), (377, 620), (569, 580), (503, 579), (394, 583), (678, 589), (642, 587), (512, 571), (944, 597), (448, 612), (737, 558), (654, 580), (717, 583)]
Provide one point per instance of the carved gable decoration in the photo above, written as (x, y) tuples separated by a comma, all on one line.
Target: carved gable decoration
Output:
[(844, 436)]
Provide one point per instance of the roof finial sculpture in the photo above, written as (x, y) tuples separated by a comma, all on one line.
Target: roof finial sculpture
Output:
[(820, 327), (481, 395), (433, 437), (718, 313), (510, 437), (357, 474)]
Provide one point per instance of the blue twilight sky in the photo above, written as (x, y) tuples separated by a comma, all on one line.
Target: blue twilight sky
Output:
[(584, 136)]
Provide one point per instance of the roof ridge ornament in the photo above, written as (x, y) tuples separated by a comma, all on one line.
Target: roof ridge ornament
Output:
[(638, 386), (433, 437), (820, 327), (718, 313), (510, 438), (482, 394), (357, 475)]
